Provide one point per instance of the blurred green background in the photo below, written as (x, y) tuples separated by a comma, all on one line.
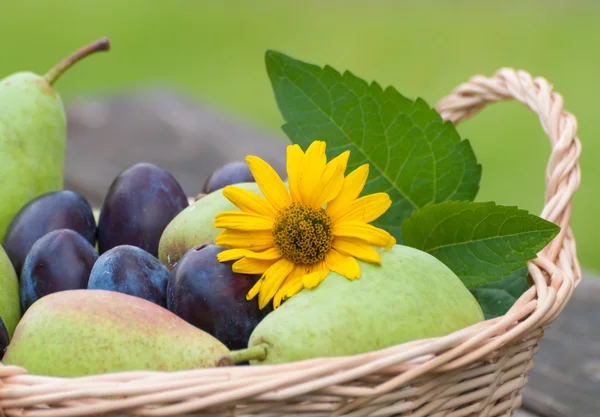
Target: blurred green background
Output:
[(215, 52)]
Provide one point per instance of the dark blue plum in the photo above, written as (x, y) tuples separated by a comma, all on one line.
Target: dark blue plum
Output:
[(130, 270), (46, 213), (4, 339), (58, 261), (137, 208), (207, 294), (229, 174)]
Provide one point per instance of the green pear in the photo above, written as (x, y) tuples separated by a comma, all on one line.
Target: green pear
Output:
[(194, 225), (96, 213), (411, 296), (33, 135), (88, 332), (10, 304)]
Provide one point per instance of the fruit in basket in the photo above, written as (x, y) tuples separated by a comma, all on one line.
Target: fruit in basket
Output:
[(33, 135), (60, 260), (139, 204), (4, 338), (411, 296), (87, 332), (130, 270), (229, 174), (10, 305), (96, 212), (51, 211), (194, 225), (207, 294)]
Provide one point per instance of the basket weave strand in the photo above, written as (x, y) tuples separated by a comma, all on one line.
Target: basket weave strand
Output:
[(477, 371)]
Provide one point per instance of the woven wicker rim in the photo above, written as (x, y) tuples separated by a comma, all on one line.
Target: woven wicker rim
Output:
[(555, 272)]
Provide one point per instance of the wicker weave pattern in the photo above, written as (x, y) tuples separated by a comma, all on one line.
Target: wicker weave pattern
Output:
[(477, 371)]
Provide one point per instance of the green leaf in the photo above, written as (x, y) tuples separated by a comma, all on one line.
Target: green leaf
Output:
[(496, 298), (412, 154), (480, 242)]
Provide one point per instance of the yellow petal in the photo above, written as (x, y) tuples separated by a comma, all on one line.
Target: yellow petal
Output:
[(366, 209), (249, 202), (255, 288), (293, 289), (298, 272), (368, 233), (269, 183), (315, 277), (274, 276), (332, 188), (287, 292), (357, 248), (313, 165), (344, 265), (240, 220), (291, 286), (272, 253), (232, 254), (256, 240), (330, 168), (351, 189), (293, 166), (252, 266), (391, 242)]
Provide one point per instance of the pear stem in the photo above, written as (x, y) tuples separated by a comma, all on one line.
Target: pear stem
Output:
[(54, 74), (258, 352)]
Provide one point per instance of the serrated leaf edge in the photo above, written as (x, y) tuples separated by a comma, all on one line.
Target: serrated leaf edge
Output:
[(373, 85)]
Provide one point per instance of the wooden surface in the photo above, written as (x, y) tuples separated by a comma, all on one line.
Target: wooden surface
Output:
[(525, 413), (565, 379), (107, 136)]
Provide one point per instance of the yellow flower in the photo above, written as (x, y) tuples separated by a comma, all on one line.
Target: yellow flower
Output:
[(294, 239)]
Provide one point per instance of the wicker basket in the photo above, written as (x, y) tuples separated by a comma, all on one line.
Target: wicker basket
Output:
[(478, 371)]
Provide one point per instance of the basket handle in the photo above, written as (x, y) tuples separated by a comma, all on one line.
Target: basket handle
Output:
[(563, 174)]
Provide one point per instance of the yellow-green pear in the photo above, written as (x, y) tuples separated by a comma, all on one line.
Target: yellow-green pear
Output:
[(33, 132), (194, 224), (88, 332), (96, 213), (411, 296), (10, 305)]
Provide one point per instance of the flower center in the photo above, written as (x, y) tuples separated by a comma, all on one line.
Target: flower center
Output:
[(303, 234)]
